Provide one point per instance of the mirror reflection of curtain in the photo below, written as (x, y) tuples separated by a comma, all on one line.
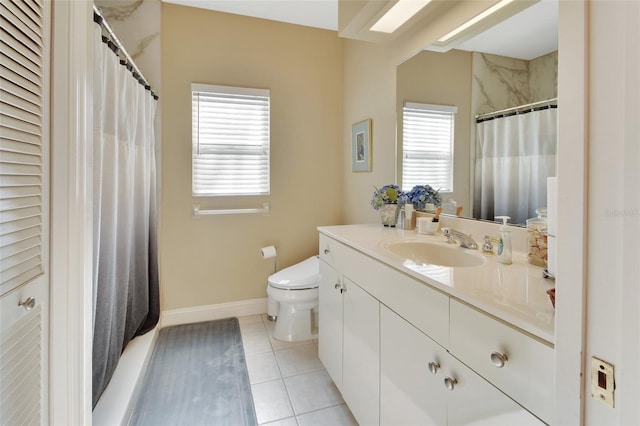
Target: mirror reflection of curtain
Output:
[(514, 157), (125, 281)]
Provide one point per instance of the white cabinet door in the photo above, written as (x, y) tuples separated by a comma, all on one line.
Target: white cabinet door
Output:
[(409, 393), (330, 322), (474, 401), (361, 346)]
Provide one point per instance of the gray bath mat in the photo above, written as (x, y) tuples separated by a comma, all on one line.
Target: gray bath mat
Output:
[(197, 375)]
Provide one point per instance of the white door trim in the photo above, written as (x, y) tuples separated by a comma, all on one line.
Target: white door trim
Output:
[(572, 217), (71, 213)]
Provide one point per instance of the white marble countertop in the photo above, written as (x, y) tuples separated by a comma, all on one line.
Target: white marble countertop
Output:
[(514, 293)]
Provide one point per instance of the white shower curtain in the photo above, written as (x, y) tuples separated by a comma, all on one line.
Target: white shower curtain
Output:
[(514, 157), (125, 278)]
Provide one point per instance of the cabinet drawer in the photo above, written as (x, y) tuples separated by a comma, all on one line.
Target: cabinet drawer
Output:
[(527, 372), (332, 252)]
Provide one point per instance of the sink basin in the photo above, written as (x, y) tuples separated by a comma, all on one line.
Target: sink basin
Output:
[(422, 252)]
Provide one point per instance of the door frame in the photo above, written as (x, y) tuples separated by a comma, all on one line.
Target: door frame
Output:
[(70, 332)]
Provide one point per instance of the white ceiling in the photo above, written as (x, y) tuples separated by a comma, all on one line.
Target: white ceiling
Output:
[(527, 35), (310, 13)]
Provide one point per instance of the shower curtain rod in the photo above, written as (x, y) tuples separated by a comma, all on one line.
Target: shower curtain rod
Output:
[(119, 49), (516, 110)]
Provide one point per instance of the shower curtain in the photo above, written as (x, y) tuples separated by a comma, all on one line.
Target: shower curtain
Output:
[(125, 270), (514, 157)]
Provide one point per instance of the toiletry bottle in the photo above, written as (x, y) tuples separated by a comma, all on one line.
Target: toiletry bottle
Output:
[(504, 245)]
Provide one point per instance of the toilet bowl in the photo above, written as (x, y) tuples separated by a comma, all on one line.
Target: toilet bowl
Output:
[(292, 296)]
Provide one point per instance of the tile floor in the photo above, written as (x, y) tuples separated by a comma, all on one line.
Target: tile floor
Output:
[(289, 383)]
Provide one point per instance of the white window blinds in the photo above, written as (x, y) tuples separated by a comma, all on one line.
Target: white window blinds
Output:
[(21, 142), (427, 146), (230, 140)]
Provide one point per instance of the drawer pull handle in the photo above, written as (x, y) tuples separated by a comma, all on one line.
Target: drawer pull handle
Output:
[(28, 304), (498, 359), (450, 383), (433, 367), (327, 251)]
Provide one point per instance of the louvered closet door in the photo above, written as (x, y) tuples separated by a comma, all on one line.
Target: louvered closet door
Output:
[(24, 88)]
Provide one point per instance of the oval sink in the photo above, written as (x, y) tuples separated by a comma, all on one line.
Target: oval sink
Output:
[(436, 254)]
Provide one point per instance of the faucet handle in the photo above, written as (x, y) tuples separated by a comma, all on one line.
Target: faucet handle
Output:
[(448, 235), (487, 245)]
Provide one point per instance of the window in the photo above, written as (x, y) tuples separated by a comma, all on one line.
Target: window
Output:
[(230, 140), (427, 146)]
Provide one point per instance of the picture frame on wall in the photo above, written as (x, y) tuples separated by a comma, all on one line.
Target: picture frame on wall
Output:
[(361, 146)]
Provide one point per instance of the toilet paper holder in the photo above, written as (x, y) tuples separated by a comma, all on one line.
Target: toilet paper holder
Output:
[(270, 252)]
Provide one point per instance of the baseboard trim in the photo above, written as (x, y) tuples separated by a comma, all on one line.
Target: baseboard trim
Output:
[(213, 312)]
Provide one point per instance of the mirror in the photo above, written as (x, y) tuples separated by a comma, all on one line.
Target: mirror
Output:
[(512, 64)]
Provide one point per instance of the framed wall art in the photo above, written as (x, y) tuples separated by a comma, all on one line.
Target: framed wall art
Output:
[(361, 146)]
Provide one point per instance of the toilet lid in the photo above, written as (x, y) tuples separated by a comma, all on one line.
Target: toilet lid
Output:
[(305, 274)]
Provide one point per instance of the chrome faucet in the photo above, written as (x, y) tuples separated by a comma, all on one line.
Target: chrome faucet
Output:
[(464, 240)]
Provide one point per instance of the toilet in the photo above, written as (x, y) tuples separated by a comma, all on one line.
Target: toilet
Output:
[(292, 296)]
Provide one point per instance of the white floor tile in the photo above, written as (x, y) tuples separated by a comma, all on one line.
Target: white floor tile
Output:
[(255, 338), (291, 421), (271, 401), (338, 415), (262, 367), (312, 391), (299, 360)]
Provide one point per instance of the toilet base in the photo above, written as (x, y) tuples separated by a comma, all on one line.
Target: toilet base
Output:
[(295, 312), (295, 324)]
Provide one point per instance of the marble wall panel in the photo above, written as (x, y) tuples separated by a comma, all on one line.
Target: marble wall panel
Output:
[(500, 82), (137, 25), (543, 77)]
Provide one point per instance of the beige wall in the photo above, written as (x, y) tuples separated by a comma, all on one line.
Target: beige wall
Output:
[(216, 259), (369, 93), (442, 79)]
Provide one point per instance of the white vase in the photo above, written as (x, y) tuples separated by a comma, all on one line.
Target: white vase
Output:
[(389, 214)]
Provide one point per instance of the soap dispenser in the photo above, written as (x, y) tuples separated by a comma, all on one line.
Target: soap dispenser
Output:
[(504, 246)]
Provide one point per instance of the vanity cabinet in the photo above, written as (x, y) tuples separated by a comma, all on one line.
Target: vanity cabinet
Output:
[(518, 364), (330, 322), (361, 354), (349, 342), (409, 392), (422, 384), (404, 352)]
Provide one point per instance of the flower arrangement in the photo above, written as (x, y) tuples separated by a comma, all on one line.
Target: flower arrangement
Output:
[(421, 195), (388, 194)]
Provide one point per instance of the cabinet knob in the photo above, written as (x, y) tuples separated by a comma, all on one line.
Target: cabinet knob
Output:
[(337, 286), (28, 304), (433, 367), (327, 250), (498, 359), (450, 383)]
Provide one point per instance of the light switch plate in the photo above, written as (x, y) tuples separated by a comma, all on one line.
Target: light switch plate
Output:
[(602, 381)]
